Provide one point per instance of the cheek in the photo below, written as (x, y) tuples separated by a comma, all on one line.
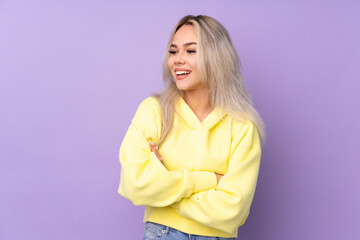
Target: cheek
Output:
[(193, 63), (170, 63)]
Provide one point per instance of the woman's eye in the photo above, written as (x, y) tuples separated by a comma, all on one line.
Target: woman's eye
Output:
[(191, 51), (172, 52)]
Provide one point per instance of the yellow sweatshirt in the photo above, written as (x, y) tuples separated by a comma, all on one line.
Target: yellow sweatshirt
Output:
[(182, 191)]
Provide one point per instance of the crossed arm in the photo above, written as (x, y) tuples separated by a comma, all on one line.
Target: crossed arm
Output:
[(220, 202), (227, 206), (155, 149), (145, 181)]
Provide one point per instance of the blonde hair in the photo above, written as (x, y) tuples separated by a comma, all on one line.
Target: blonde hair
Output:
[(219, 68)]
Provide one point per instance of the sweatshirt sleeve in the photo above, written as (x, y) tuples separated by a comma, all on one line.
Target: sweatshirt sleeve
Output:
[(227, 207), (144, 180)]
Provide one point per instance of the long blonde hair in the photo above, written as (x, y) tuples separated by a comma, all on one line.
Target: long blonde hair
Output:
[(219, 68)]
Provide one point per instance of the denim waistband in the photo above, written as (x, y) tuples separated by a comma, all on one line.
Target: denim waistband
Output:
[(164, 230)]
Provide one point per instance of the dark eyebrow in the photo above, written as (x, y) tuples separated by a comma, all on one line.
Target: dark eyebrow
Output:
[(186, 44)]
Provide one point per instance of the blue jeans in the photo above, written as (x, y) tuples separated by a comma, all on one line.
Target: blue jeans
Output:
[(155, 231)]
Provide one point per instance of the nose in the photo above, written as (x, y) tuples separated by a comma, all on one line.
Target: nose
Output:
[(179, 59)]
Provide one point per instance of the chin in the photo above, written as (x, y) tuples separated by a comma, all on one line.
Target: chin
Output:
[(182, 87)]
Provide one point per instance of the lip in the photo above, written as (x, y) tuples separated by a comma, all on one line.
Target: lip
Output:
[(181, 69), (181, 77)]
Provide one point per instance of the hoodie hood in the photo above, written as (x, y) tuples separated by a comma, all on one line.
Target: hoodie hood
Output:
[(187, 114)]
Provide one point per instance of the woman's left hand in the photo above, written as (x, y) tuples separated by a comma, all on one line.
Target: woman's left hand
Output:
[(155, 149)]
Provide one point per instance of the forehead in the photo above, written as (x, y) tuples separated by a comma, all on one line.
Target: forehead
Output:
[(186, 33)]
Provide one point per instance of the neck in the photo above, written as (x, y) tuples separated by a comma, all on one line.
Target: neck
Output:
[(198, 100)]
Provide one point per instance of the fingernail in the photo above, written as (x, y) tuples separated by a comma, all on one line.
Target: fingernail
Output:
[(152, 144)]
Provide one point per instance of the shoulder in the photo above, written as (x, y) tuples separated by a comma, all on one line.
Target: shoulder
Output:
[(148, 105), (151, 101), (147, 119), (244, 132), (242, 124), (148, 110)]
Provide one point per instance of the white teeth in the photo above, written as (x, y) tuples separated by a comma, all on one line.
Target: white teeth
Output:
[(182, 72)]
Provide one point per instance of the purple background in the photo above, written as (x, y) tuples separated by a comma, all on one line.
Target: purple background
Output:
[(72, 74)]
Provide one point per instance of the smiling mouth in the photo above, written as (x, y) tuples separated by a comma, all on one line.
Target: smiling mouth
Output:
[(182, 73)]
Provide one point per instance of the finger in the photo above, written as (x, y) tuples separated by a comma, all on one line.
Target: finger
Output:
[(157, 154), (155, 150)]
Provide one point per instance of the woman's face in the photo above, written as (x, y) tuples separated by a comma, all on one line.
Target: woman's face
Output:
[(183, 59)]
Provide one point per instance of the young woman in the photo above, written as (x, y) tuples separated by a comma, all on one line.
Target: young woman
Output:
[(192, 152)]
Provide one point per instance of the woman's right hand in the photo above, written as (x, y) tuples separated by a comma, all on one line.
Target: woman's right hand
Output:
[(218, 177), (155, 149)]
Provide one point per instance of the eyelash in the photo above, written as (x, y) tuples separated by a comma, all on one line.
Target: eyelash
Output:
[(188, 51)]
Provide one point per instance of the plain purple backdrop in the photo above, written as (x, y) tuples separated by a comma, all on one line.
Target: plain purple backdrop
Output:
[(72, 74)]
